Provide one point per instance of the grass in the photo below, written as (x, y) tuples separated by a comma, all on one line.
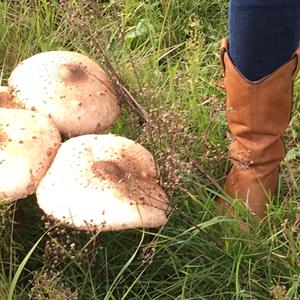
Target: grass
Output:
[(166, 53)]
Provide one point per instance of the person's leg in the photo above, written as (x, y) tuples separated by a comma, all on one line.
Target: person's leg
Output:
[(263, 34), (259, 66)]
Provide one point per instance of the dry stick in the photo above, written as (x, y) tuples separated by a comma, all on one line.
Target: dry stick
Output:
[(133, 65), (133, 103), (127, 96), (212, 180)]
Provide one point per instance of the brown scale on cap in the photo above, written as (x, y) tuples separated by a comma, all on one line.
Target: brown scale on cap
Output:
[(3, 138), (72, 73)]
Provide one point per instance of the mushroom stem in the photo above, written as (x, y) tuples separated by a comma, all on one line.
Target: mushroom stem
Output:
[(6, 97)]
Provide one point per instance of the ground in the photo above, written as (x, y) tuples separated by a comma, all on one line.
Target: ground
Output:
[(163, 58)]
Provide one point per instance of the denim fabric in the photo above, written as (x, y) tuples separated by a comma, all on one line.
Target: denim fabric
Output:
[(263, 34)]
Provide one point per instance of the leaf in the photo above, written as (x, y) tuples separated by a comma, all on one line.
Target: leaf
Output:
[(292, 154), (21, 268), (143, 27)]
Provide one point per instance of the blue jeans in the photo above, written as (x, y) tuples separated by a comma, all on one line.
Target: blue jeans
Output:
[(263, 34)]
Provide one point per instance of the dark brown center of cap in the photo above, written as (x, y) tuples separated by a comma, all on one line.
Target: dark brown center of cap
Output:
[(108, 170), (70, 73), (142, 191)]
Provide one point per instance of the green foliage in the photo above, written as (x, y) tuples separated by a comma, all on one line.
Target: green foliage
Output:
[(166, 53), (292, 154)]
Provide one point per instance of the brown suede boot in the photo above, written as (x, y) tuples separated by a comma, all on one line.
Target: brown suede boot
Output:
[(257, 114)]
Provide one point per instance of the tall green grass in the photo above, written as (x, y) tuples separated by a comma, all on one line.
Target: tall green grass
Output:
[(166, 52)]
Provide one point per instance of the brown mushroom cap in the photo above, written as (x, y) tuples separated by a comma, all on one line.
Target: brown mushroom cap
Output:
[(68, 87), (28, 144), (103, 182)]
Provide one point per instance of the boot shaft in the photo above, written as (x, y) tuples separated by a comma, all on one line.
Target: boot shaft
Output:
[(257, 113)]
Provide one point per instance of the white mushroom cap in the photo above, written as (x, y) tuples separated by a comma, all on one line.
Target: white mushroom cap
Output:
[(103, 182), (28, 144), (68, 87)]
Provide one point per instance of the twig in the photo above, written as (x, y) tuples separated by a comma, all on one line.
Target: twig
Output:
[(134, 104), (212, 180)]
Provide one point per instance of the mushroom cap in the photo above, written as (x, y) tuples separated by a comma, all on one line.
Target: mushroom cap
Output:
[(68, 87), (108, 183), (28, 144), (7, 100), (5, 97)]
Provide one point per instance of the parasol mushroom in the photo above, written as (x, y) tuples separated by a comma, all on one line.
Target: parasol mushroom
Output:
[(108, 183), (70, 88), (28, 143)]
